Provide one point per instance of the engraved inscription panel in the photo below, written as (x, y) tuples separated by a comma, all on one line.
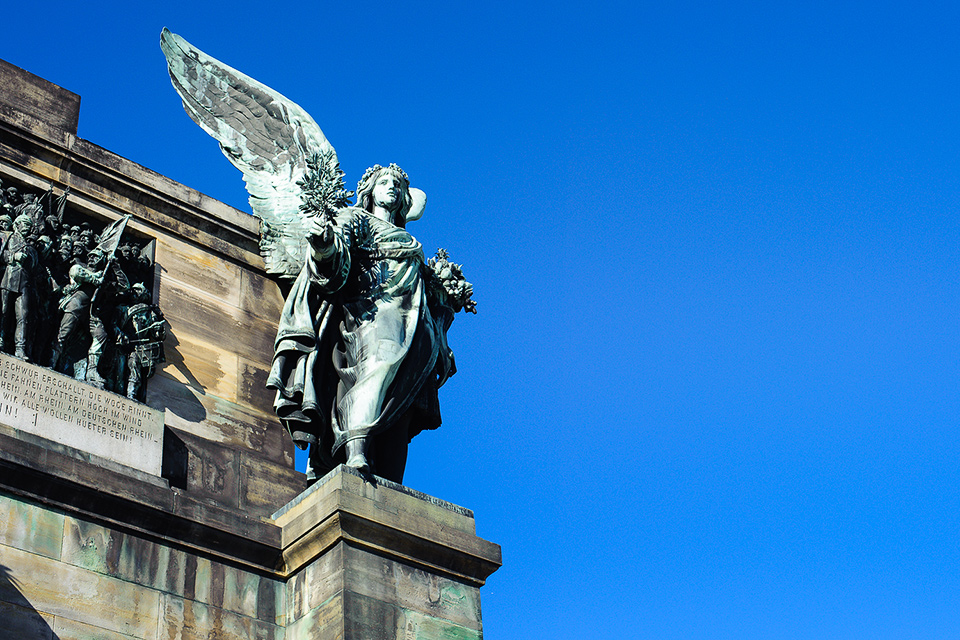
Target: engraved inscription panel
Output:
[(57, 407)]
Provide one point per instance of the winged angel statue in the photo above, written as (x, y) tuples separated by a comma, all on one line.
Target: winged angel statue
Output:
[(361, 347)]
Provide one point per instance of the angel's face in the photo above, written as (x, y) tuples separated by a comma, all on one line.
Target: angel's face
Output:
[(387, 191)]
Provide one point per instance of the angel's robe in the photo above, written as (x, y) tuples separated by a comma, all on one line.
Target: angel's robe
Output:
[(358, 344)]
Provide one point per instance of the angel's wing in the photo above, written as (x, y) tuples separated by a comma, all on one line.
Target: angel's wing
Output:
[(265, 135)]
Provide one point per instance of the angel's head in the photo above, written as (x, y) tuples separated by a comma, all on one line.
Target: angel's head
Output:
[(387, 188)]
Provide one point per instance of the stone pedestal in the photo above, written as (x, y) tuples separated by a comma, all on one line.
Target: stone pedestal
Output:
[(92, 552), (378, 560)]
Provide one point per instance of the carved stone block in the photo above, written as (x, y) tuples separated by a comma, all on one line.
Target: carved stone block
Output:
[(57, 407)]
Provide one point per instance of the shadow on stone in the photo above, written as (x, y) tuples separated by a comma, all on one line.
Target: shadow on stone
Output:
[(19, 618), (175, 459), (186, 405)]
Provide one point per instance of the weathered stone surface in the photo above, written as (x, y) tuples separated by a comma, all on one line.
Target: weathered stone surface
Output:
[(260, 296), (411, 589), (66, 591), (174, 571), (66, 629), (38, 97), (371, 618), (159, 202), (252, 383), (199, 363), (212, 471), (421, 627), (315, 584), (228, 330), (358, 558), (197, 268), (380, 598), (385, 518), (217, 420), (387, 498), (190, 620), (66, 482), (264, 484), (349, 577), (57, 407), (30, 527), (324, 622), (132, 558)]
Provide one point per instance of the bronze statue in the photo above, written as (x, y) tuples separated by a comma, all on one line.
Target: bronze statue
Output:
[(361, 347), (66, 294), (140, 335), (17, 287), (73, 339)]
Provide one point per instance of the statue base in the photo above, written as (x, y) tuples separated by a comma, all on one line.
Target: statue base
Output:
[(92, 551), (368, 558)]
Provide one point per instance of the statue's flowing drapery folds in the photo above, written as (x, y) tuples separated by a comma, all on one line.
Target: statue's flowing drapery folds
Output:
[(361, 347), (358, 342)]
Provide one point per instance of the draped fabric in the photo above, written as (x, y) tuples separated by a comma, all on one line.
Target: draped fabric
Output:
[(358, 344)]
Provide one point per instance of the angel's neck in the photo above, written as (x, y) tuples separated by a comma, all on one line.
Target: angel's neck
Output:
[(383, 214)]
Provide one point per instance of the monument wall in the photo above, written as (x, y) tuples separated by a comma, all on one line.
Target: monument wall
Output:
[(220, 308), (183, 517)]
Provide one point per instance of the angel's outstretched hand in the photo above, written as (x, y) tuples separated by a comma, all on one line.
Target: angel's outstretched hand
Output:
[(320, 235)]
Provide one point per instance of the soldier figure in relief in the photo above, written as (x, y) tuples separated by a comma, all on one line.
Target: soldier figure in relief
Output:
[(61, 302), (140, 335), (17, 286), (75, 322)]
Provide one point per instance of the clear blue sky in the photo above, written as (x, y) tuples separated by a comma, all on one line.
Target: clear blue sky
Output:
[(712, 391)]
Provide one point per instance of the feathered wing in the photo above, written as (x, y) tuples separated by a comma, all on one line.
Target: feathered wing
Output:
[(265, 135)]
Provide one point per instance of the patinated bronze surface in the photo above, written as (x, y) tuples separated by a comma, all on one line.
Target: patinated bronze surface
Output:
[(75, 294), (361, 347)]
